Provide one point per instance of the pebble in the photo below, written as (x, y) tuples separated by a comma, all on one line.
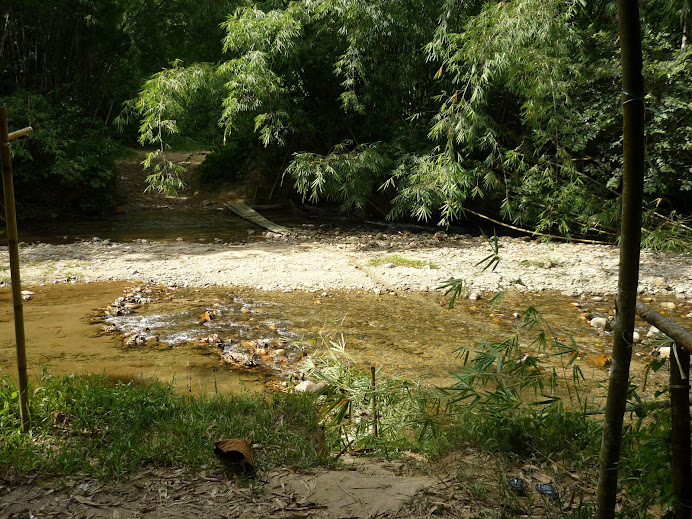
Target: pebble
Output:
[(474, 296), (600, 323), (388, 265), (308, 386), (660, 282), (636, 338), (652, 332), (585, 270)]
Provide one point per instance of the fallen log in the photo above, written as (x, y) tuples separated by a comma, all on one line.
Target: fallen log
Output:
[(250, 214)]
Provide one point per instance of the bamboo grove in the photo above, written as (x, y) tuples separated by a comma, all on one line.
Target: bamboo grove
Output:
[(419, 109)]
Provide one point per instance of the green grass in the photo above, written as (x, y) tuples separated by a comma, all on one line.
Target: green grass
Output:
[(548, 263), (90, 426), (401, 261)]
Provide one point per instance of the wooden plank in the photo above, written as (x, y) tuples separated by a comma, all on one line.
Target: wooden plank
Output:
[(250, 214)]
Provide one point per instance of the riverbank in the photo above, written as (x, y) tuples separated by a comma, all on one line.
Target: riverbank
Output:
[(320, 259)]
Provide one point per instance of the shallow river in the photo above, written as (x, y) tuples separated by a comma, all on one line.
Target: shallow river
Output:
[(412, 335), (408, 335)]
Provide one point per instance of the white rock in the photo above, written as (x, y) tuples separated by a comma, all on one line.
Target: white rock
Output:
[(600, 323), (474, 296), (652, 331), (636, 338), (388, 265), (308, 386), (668, 304)]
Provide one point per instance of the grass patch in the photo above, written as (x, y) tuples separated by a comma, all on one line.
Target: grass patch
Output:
[(546, 264), (401, 261), (90, 426)]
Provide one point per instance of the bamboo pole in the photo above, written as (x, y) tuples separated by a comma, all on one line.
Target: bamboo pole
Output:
[(680, 431), (680, 408), (374, 400), (676, 332), (630, 243), (13, 247)]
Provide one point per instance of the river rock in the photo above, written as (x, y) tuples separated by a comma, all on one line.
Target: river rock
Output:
[(636, 338), (668, 304), (660, 282), (308, 386), (600, 323), (652, 332)]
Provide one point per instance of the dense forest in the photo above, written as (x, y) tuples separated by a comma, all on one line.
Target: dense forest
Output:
[(418, 109)]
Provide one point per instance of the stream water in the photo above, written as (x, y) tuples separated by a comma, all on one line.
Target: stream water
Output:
[(412, 335)]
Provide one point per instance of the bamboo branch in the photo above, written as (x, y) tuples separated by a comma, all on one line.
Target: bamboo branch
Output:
[(535, 233)]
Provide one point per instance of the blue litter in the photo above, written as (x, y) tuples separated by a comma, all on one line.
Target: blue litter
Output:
[(518, 485), (548, 491)]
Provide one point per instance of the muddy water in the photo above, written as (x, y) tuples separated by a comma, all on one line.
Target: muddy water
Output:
[(159, 225), (408, 335), (60, 340)]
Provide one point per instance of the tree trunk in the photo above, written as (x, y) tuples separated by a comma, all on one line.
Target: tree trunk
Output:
[(630, 238)]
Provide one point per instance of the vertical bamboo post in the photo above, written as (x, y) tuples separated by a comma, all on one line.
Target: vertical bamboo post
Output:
[(680, 431), (374, 400), (13, 246), (630, 239)]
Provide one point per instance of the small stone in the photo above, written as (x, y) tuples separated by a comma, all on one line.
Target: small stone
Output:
[(388, 265), (474, 296), (308, 386), (178, 239), (636, 338), (652, 331), (600, 323), (660, 282), (379, 236), (251, 232), (377, 291), (668, 304)]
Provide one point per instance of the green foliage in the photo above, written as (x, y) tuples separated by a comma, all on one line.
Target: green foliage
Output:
[(347, 176), (405, 411), (511, 108), (68, 151), (227, 163), (90, 426), (66, 75)]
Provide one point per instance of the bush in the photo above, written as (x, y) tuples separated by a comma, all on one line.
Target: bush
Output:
[(66, 164)]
